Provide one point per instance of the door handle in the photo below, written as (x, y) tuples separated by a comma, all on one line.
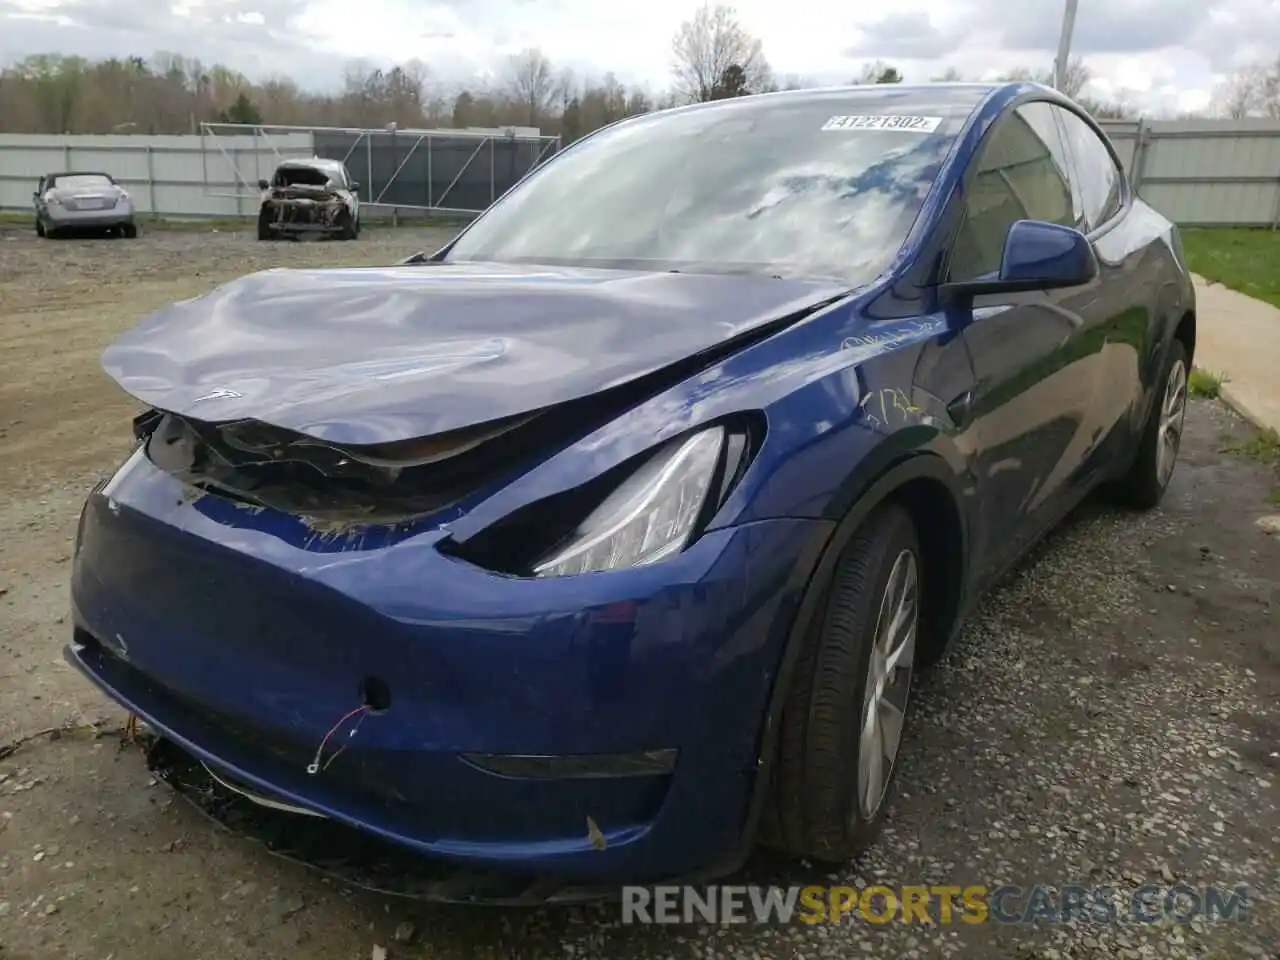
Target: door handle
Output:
[(960, 410)]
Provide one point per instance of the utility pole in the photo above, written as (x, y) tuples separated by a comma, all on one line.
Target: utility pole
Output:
[(1064, 44)]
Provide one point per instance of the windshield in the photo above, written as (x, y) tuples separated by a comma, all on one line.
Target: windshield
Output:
[(305, 176), (817, 184), (75, 181)]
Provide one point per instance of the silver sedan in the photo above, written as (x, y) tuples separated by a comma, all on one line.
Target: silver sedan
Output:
[(83, 201)]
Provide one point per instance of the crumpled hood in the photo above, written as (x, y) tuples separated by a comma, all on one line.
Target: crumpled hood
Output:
[(382, 354)]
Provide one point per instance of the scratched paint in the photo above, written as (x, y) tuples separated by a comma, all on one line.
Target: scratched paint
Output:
[(907, 332), (890, 406)]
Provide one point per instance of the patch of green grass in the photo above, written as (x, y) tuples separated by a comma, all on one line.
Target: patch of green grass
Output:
[(1273, 497), (1242, 258), (1205, 385), (1263, 446)]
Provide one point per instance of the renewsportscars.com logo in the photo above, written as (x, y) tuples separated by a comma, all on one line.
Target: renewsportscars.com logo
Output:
[(933, 904)]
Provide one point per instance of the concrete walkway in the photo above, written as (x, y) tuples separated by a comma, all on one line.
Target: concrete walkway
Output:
[(1238, 338)]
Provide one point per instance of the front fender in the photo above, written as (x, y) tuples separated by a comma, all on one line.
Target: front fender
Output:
[(828, 405)]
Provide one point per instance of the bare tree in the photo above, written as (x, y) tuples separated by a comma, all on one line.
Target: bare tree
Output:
[(705, 47), (1252, 91), (533, 82), (878, 72), (949, 75), (1076, 79)]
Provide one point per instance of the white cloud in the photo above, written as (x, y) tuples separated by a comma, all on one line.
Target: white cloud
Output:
[(1159, 54)]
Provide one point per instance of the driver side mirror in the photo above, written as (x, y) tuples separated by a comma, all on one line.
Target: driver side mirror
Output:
[(263, 185), (1037, 256)]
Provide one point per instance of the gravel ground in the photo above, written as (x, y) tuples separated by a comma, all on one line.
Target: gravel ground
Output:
[(1111, 717)]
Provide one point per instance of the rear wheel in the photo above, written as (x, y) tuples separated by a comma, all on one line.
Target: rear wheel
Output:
[(40, 232), (843, 718), (129, 231), (1148, 479)]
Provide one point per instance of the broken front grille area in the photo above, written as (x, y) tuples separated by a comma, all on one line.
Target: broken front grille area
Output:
[(304, 207), (264, 466)]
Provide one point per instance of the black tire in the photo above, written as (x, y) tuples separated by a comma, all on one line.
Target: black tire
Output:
[(40, 231), (1143, 487), (347, 229), (129, 231), (264, 231), (814, 807)]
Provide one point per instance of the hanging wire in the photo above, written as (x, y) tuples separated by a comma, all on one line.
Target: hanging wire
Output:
[(314, 766)]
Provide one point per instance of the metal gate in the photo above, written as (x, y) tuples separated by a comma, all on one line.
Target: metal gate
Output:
[(439, 171)]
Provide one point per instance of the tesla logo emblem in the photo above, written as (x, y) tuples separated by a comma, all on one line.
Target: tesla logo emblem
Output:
[(219, 395)]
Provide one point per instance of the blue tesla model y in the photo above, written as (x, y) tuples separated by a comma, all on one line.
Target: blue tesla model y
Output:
[(603, 543)]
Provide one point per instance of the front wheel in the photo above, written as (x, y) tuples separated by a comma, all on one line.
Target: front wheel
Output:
[(1148, 478), (845, 711), (130, 231)]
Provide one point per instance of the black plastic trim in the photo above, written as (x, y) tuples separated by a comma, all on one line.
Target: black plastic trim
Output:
[(603, 766)]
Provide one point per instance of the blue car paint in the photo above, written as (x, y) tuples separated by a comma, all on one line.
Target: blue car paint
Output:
[(251, 615), (382, 354)]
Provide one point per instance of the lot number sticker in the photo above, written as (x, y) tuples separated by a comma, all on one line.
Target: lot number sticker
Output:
[(883, 122)]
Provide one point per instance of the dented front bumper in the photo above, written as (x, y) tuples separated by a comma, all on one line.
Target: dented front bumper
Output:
[(303, 215), (599, 728)]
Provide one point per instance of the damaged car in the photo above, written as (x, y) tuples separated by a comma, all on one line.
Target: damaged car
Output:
[(313, 197), (607, 541)]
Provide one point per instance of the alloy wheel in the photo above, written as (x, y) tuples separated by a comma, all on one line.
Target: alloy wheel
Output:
[(888, 686), (1173, 411)]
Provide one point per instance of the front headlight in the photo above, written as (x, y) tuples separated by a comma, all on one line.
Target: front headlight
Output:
[(645, 509), (651, 515)]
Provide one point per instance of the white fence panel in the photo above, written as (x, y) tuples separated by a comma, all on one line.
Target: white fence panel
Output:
[(1197, 172), (169, 176)]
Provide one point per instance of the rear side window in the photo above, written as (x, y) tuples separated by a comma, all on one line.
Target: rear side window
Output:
[(1020, 174), (1098, 178)]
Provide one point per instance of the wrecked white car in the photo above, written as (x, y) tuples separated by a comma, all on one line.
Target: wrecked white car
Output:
[(309, 197)]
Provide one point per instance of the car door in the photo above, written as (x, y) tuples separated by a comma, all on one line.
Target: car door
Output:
[(1130, 287), (1032, 410)]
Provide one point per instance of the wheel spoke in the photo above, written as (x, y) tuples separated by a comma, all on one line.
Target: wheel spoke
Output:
[(900, 637), (870, 720), (871, 764), (905, 652), (891, 720), (1173, 411)]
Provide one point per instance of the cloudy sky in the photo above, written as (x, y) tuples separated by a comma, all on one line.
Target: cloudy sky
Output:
[(1163, 55)]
